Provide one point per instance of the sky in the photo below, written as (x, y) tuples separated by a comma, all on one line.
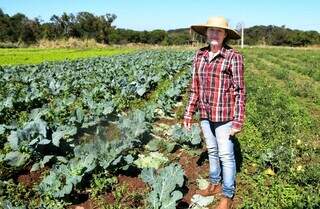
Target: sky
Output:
[(173, 14)]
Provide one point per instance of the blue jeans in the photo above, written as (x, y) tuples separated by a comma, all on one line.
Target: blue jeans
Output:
[(220, 149)]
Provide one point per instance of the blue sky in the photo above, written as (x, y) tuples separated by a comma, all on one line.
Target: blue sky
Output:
[(172, 14)]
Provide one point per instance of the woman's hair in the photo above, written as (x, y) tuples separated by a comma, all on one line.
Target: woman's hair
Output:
[(226, 39)]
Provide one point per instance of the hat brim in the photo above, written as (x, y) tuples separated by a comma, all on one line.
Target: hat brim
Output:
[(202, 30)]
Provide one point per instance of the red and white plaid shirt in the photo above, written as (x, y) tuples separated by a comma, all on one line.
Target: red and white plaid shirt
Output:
[(218, 88)]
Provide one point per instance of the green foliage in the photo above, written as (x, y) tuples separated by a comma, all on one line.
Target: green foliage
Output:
[(134, 125), (69, 99), (183, 136), (199, 202), (164, 183), (24, 140), (38, 55), (16, 158), (279, 36), (8, 205), (101, 153), (47, 158), (32, 134), (14, 195), (153, 160), (278, 194), (101, 183), (48, 105), (278, 130), (18, 30), (63, 178), (161, 145)]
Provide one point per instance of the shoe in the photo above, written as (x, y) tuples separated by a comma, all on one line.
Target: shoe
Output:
[(225, 203), (211, 190)]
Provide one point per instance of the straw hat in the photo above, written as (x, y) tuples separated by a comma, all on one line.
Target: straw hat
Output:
[(216, 22)]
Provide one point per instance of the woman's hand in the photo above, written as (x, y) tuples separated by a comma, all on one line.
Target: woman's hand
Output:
[(234, 131), (187, 124)]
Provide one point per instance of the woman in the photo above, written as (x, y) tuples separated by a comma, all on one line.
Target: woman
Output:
[(218, 91)]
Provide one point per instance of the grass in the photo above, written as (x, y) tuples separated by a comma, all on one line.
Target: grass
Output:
[(280, 133), (38, 55)]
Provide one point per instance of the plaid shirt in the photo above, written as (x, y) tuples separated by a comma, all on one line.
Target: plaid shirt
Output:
[(218, 88)]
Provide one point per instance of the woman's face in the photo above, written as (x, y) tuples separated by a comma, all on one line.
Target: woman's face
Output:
[(216, 36)]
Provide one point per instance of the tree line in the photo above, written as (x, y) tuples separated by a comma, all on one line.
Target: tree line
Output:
[(18, 28)]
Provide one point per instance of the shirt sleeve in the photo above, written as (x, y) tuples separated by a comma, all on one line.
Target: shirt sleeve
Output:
[(194, 93), (239, 90)]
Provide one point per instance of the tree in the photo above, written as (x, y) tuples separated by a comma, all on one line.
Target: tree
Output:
[(157, 36), (4, 26)]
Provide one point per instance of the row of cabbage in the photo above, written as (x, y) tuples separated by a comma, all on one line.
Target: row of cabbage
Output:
[(48, 104), (43, 140)]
